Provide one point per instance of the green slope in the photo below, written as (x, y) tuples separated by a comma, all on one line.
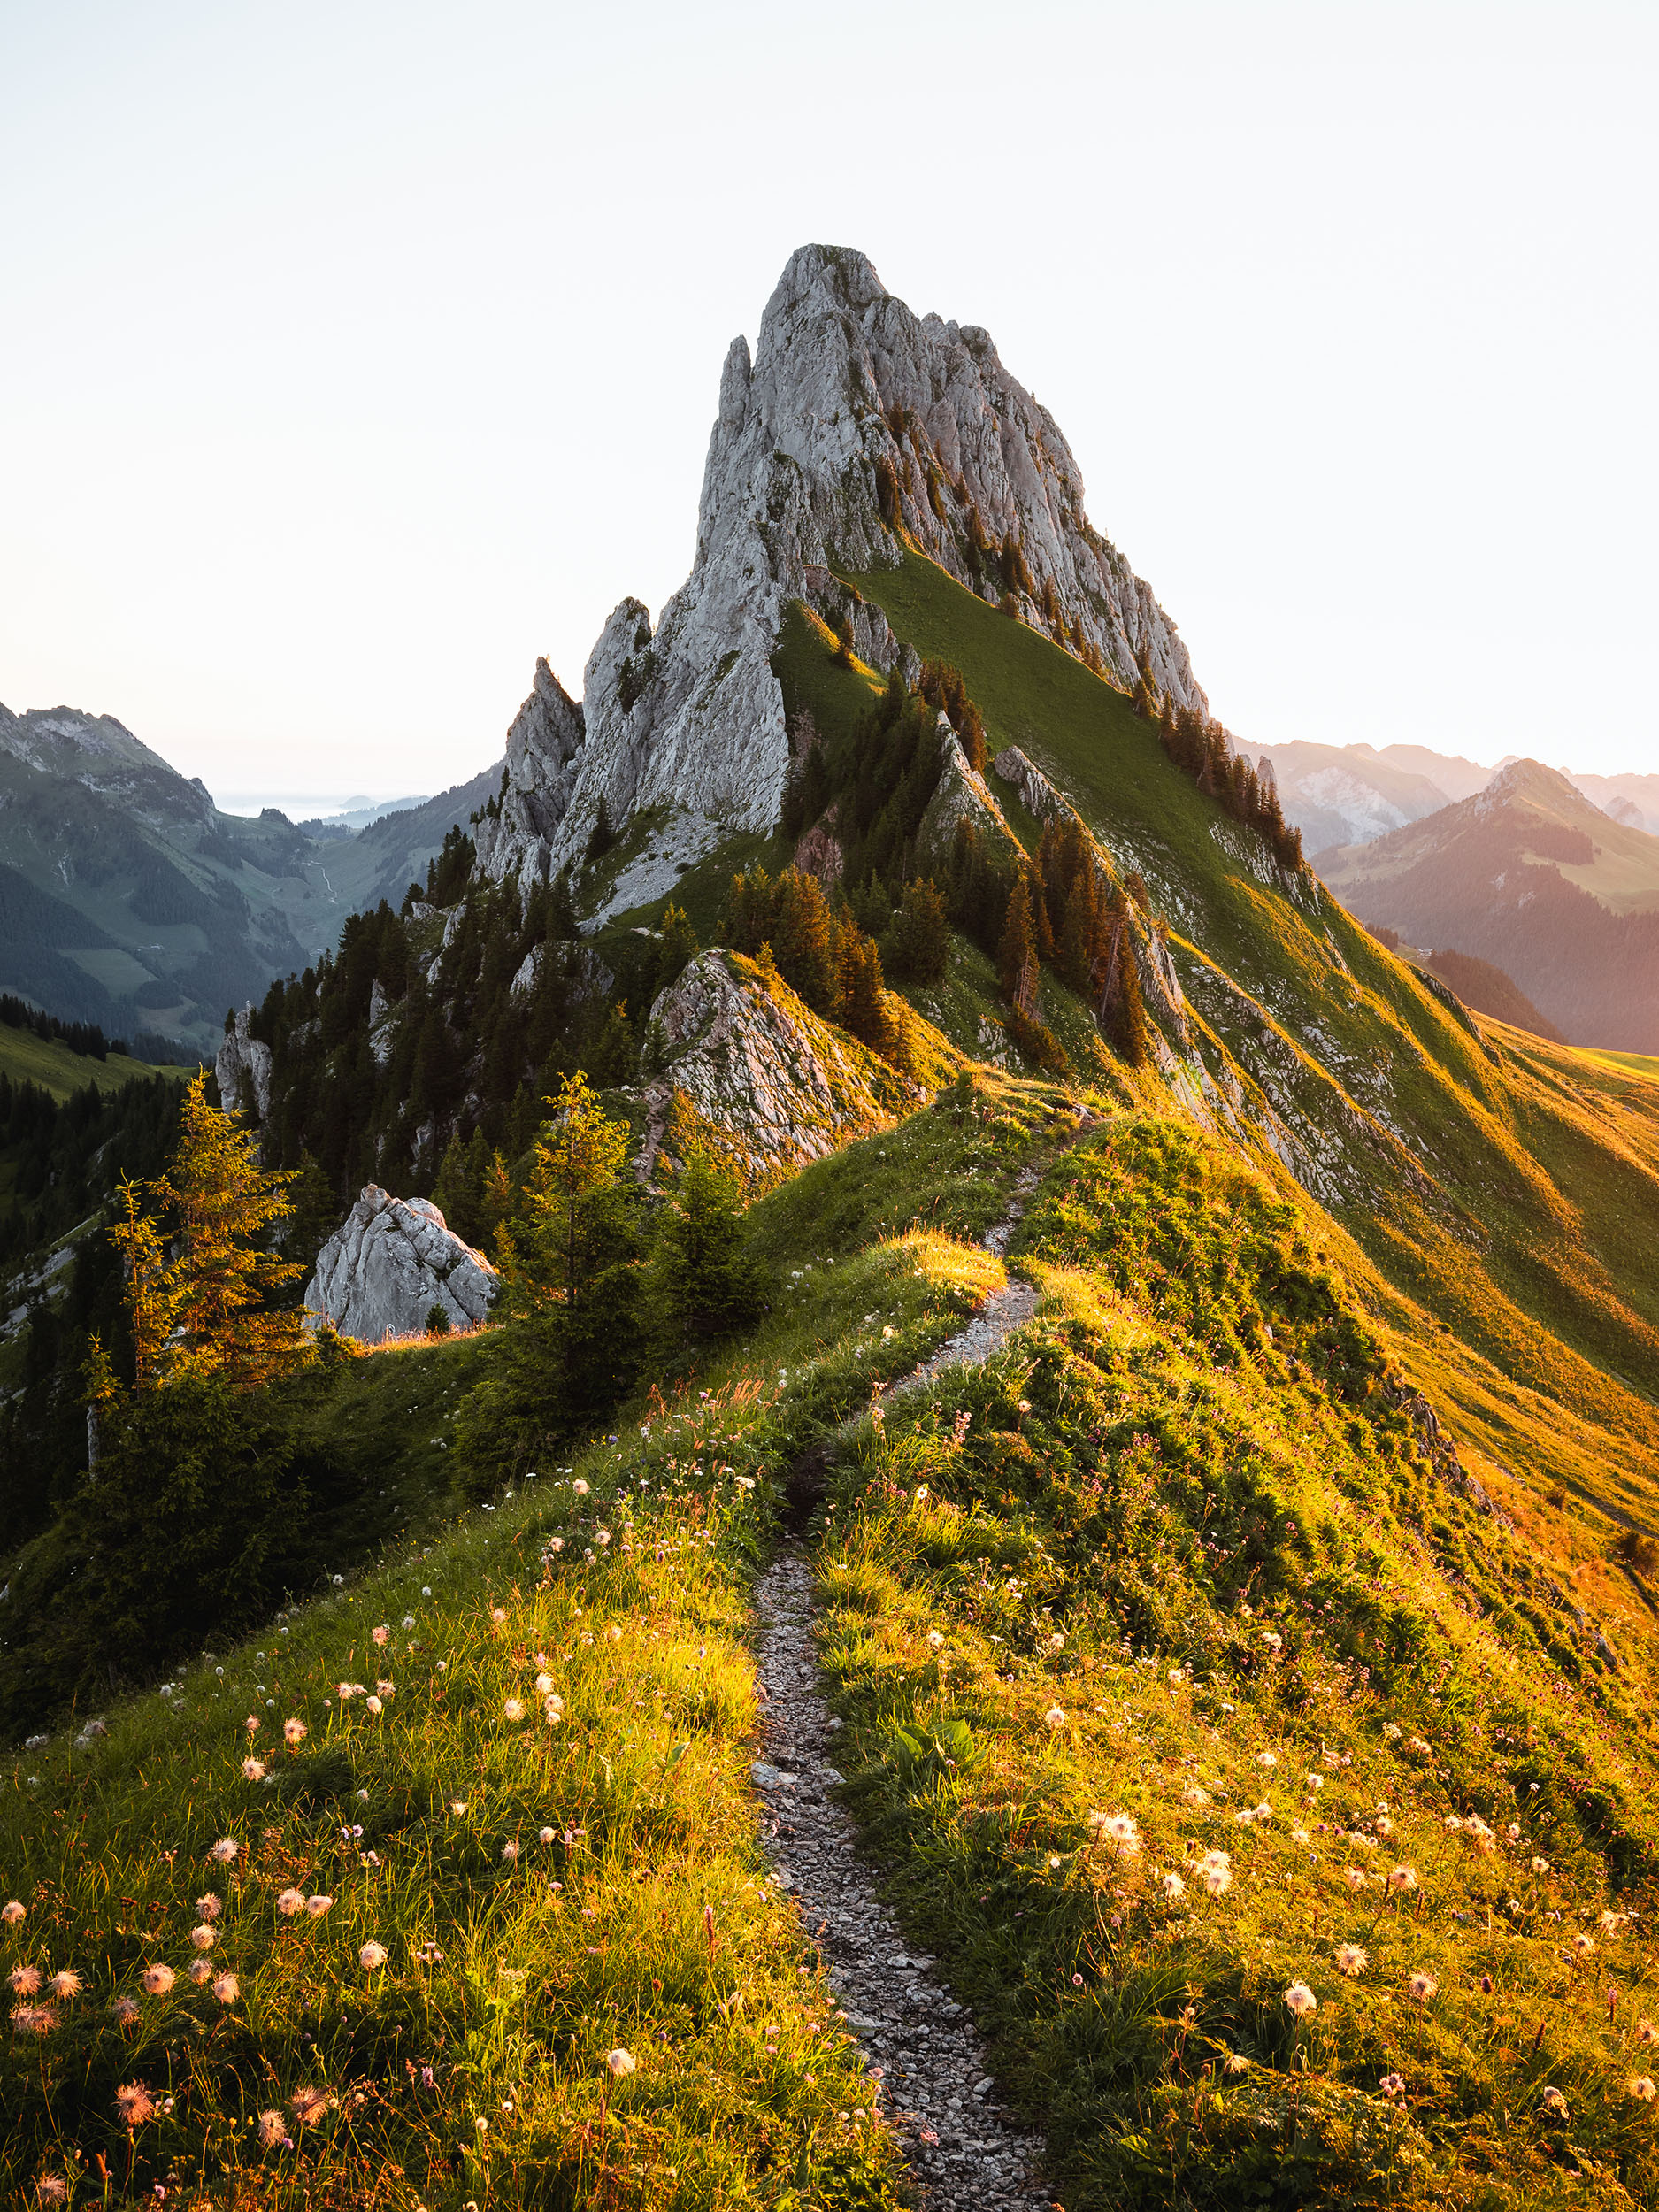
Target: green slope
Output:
[(50, 1065)]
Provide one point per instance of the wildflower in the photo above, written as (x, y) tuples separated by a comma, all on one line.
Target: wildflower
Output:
[(253, 1770), (1176, 1678), (1263, 1811), (553, 1711), (1610, 1922), (203, 1937), (510, 1852), (1236, 2062), (1421, 1986), (158, 1980), (1647, 2033), (374, 1705), (1393, 2084), (134, 2104), (1215, 1872), (318, 1906), (1299, 1835), (543, 1683), (1353, 1877), (271, 2130), (457, 1805), (308, 2105), (290, 1902), (499, 1615), (1641, 2085), (1541, 1866), (1390, 1729), (1513, 1832), (295, 1732), (211, 1906), (12, 1913), (125, 2010), (226, 1989), (1403, 1880), (1265, 1759), (34, 2019), (51, 2189), (1054, 1720), (65, 1984), (380, 1634), (580, 1488), (935, 1639), (1553, 2103), (1584, 1944), (371, 1957), (199, 1971), (1118, 1829), (547, 1835), (620, 2063), (1351, 1959), (1301, 1999), (1193, 1795), (252, 1723), (24, 1981), (1174, 1888), (1057, 1643)]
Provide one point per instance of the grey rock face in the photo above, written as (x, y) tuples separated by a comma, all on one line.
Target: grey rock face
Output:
[(855, 414), (761, 1071), (543, 746), (243, 1066), (389, 1263)]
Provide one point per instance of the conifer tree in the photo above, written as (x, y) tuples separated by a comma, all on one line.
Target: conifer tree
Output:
[(919, 939), (205, 1311), (1017, 956), (703, 1281)]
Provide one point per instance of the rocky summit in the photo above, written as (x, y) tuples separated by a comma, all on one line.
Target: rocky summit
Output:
[(856, 425)]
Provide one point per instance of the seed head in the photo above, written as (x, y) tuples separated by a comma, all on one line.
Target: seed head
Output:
[(1301, 1999), (134, 2104), (159, 1980)]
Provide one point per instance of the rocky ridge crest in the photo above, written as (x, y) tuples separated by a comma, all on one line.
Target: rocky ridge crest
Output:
[(857, 424)]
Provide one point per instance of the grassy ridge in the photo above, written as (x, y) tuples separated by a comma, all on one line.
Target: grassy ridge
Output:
[(1166, 1580)]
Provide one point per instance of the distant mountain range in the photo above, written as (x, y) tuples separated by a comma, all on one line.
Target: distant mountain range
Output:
[(1531, 876), (1346, 795), (129, 899)]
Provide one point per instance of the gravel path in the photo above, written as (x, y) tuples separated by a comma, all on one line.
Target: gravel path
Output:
[(965, 2153)]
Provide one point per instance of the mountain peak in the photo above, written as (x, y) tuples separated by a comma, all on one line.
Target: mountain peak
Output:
[(858, 430)]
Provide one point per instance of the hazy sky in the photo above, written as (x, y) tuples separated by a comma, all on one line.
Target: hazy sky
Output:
[(355, 354)]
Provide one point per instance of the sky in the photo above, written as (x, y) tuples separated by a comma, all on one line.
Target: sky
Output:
[(357, 354)]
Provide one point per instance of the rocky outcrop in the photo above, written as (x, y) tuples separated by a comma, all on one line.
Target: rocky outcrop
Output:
[(243, 1066), (543, 747), (962, 794), (857, 425), (389, 1263), (773, 1085)]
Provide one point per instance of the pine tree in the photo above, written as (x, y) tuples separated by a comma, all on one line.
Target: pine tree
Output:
[(205, 1311), (802, 941), (1016, 954), (703, 1281), (918, 943), (678, 948), (602, 837)]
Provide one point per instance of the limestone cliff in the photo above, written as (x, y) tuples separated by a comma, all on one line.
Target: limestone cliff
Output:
[(857, 422)]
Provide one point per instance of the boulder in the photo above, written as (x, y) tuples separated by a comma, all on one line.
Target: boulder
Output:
[(389, 1263)]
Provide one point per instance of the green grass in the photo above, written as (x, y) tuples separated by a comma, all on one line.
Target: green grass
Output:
[(52, 1067), (1635, 1063), (540, 1891), (1170, 1557)]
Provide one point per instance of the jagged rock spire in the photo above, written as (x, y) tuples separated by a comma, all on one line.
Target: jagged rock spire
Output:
[(855, 418)]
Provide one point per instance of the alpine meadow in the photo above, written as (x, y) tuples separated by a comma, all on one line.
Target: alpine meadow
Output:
[(864, 1469)]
